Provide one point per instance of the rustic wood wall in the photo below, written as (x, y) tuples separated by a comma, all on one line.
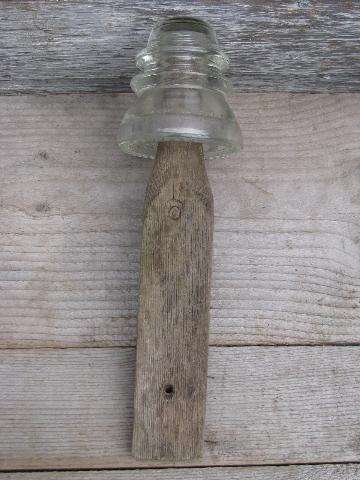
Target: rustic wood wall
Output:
[(285, 335), (284, 360)]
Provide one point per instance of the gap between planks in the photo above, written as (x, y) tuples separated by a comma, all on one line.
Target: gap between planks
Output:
[(297, 472), (243, 345)]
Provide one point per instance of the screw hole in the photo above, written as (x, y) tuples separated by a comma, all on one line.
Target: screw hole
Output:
[(169, 390)]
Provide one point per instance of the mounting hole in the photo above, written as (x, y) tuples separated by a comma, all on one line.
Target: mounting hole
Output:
[(169, 390)]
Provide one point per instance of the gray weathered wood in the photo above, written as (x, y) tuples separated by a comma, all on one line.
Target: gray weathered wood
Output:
[(286, 263), (174, 301), (293, 472), (82, 46), (72, 408)]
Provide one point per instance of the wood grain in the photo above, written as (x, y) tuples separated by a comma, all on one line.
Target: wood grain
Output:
[(72, 408), (286, 242), (74, 46), (174, 302), (293, 472)]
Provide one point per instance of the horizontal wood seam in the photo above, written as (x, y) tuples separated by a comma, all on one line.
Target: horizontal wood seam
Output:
[(188, 467), (235, 345)]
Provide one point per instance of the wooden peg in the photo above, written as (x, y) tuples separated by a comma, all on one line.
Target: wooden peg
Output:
[(174, 300)]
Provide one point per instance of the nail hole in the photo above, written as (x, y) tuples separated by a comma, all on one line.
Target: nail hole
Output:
[(169, 390), (174, 212)]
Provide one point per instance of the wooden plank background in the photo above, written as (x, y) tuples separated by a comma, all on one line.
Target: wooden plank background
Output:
[(284, 360), (76, 46), (287, 232), (286, 271)]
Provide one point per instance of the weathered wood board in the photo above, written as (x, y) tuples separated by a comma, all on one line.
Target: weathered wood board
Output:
[(76, 46), (286, 246), (293, 472), (174, 304), (72, 408)]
